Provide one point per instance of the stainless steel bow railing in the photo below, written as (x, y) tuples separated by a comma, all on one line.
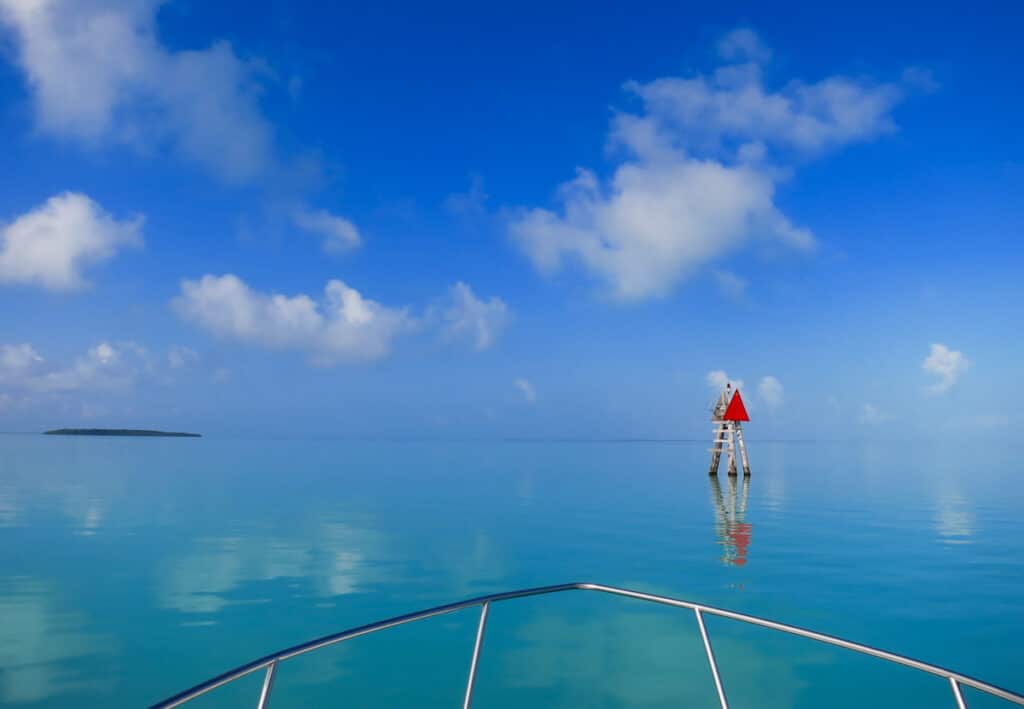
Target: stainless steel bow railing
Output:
[(271, 661)]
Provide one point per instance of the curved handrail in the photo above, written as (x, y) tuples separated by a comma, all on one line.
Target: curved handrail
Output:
[(271, 661)]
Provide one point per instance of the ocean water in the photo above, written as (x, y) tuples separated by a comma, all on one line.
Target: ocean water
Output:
[(131, 569)]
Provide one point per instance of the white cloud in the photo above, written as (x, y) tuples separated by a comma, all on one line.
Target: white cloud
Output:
[(920, 78), (731, 108), (730, 285), (743, 43), (106, 366), (771, 392), (98, 73), (466, 317), (18, 360), (698, 175), (872, 415), (339, 234), (717, 379), (179, 357), (655, 224), (471, 203), (947, 365), (525, 388), (89, 385), (52, 245), (339, 326)]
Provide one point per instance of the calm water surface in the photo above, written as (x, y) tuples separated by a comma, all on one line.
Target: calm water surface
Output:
[(131, 569)]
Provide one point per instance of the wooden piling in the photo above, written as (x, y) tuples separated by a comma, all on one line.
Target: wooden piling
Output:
[(732, 450), (743, 449), (727, 415), (716, 452), (720, 433)]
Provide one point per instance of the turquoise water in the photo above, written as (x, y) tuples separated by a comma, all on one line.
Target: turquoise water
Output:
[(131, 569)]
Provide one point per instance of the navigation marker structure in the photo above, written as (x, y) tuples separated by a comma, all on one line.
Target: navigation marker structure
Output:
[(729, 413)]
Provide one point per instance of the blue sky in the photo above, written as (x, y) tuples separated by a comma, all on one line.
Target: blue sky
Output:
[(400, 220)]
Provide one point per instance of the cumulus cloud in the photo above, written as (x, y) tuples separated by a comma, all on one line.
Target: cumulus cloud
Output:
[(717, 379), (468, 318), (730, 285), (771, 392), (732, 109), (655, 224), (104, 367), (17, 360), (945, 364), (339, 326), (179, 357), (87, 385), (743, 44), (472, 203), (872, 415), (698, 170), (99, 73), (52, 245), (526, 388), (339, 234)]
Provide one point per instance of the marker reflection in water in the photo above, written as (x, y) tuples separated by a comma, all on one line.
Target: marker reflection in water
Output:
[(731, 527)]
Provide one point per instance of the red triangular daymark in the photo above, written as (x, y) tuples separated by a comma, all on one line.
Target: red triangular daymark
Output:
[(736, 411)]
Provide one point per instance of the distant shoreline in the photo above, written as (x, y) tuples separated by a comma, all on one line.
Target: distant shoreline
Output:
[(117, 432)]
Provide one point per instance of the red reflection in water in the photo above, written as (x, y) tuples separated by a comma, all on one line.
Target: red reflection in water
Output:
[(731, 527)]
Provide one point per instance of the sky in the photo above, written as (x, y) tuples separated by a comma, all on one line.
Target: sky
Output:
[(462, 220)]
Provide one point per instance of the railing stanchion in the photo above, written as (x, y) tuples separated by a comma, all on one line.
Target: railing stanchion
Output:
[(711, 659), (476, 656), (960, 703), (957, 680), (268, 684)]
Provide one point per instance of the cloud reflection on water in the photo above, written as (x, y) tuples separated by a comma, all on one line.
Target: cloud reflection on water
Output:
[(474, 566), (8, 507), (82, 505), (635, 659), (39, 643), (954, 520), (335, 561), (85, 509)]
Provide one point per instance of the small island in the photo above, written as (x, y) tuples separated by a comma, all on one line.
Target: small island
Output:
[(117, 432)]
